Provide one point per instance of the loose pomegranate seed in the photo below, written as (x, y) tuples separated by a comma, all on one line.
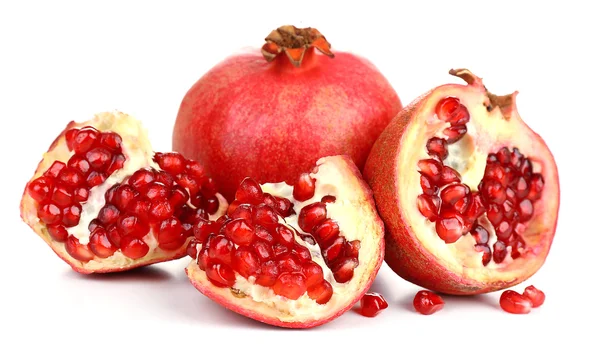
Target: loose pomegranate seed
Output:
[(429, 188), (304, 189), (85, 139), (58, 232), (431, 168), (220, 274), (515, 303), (427, 302), (312, 215), (449, 226), (268, 274), (372, 304), (41, 189), (265, 216), (246, 262), (321, 292), (290, 285), (437, 147), (49, 213), (249, 192), (343, 271), (326, 231), (537, 297), (239, 232), (100, 245), (77, 250), (455, 133), (133, 247), (221, 250)]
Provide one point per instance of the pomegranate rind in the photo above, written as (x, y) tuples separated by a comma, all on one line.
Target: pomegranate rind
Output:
[(371, 258), (135, 139), (422, 258)]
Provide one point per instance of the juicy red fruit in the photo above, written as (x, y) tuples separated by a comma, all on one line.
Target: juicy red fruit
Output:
[(372, 304), (537, 297), (515, 303), (427, 302)]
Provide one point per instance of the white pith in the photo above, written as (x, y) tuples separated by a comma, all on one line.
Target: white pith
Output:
[(138, 153), (357, 221), (487, 133)]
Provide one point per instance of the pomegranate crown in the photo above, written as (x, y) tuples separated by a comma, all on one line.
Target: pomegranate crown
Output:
[(294, 42)]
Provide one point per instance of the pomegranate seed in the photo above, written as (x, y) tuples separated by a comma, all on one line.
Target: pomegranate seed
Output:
[(522, 188), (55, 169), (449, 175), (165, 178), (496, 172), (289, 264), (123, 195), (515, 303), (246, 262), (265, 216), (95, 179), (372, 304), (58, 232), (331, 252), (220, 275), (79, 164), (170, 231), (509, 209), (308, 239), (100, 244), (139, 208), (141, 178), (49, 213), (280, 251), (133, 247), (476, 207), (493, 191), (352, 249), (282, 205), (117, 163), (526, 169), (70, 177), (132, 227), (203, 229), (455, 133), (239, 232), (486, 257), (499, 252), (203, 258), (452, 193), (99, 158), (321, 292), (192, 249), (243, 211), (261, 233), (62, 196), (304, 189), (449, 226), (494, 214), (312, 215), (301, 252), (221, 250), (427, 302), (157, 191), (179, 197), (460, 117), (70, 136), (108, 214), (262, 250), (328, 199), (77, 250), (431, 168), (160, 210), (503, 156), (211, 204), (173, 163), (249, 191), (268, 274), (437, 147), (535, 190), (111, 140), (209, 187), (462, 204), (481, 235), (41, 188), (81, 194), (313, 273), (114, 235), (284, 235), (290, 285), (194, 169), (537, 297), (446, 108), (429, 188), (525, 210), (504, 230), (343, 271), (326, 231), (85, 139)]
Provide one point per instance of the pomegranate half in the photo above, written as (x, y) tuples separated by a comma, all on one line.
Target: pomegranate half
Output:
[(271, 114), (468, 192), (292, 256), (105, 202)]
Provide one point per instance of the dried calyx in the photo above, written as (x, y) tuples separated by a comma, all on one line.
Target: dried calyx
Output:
[(294, 42)]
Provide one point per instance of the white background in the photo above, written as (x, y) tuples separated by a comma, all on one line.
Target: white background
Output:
[(66, 61)]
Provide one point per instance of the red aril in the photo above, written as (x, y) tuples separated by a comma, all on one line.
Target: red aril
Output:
[(372, 304), (468, 192), (515, 303), (537, 297), (427, 302), (104, 201), (300, 266), (279, 109)]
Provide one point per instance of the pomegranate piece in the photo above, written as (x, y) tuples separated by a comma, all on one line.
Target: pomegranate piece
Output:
[(537, 297), (304, 256), (304, 189), (145, 215), (372, 304), (475, 178), (515, 303), (427, 302)]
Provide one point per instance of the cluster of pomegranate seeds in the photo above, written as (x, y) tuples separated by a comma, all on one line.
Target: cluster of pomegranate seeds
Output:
[(372, 304), (427, 302), (515, 303), (505, 195), (64, 187)]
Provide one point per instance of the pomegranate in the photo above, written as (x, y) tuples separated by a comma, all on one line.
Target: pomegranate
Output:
[(289, 262), (105, 202), (427, 302), (468, 192), (372, 304), (515, 303), (271, 114), (537, 297)]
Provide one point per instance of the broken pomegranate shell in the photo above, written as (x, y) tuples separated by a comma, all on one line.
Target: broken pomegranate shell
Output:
[(292, 256), (105, 202), (468, 192)]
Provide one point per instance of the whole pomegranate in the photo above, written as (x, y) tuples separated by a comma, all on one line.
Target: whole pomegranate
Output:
[(105, 202), (271, 114), (468, 192)]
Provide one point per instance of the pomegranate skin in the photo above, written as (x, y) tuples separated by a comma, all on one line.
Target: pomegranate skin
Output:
[(272, 121), (405, 253)]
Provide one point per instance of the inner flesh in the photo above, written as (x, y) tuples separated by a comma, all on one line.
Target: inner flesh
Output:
[(500, 205)]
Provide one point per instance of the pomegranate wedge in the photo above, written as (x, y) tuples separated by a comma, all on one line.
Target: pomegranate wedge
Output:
[(105, 202)]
